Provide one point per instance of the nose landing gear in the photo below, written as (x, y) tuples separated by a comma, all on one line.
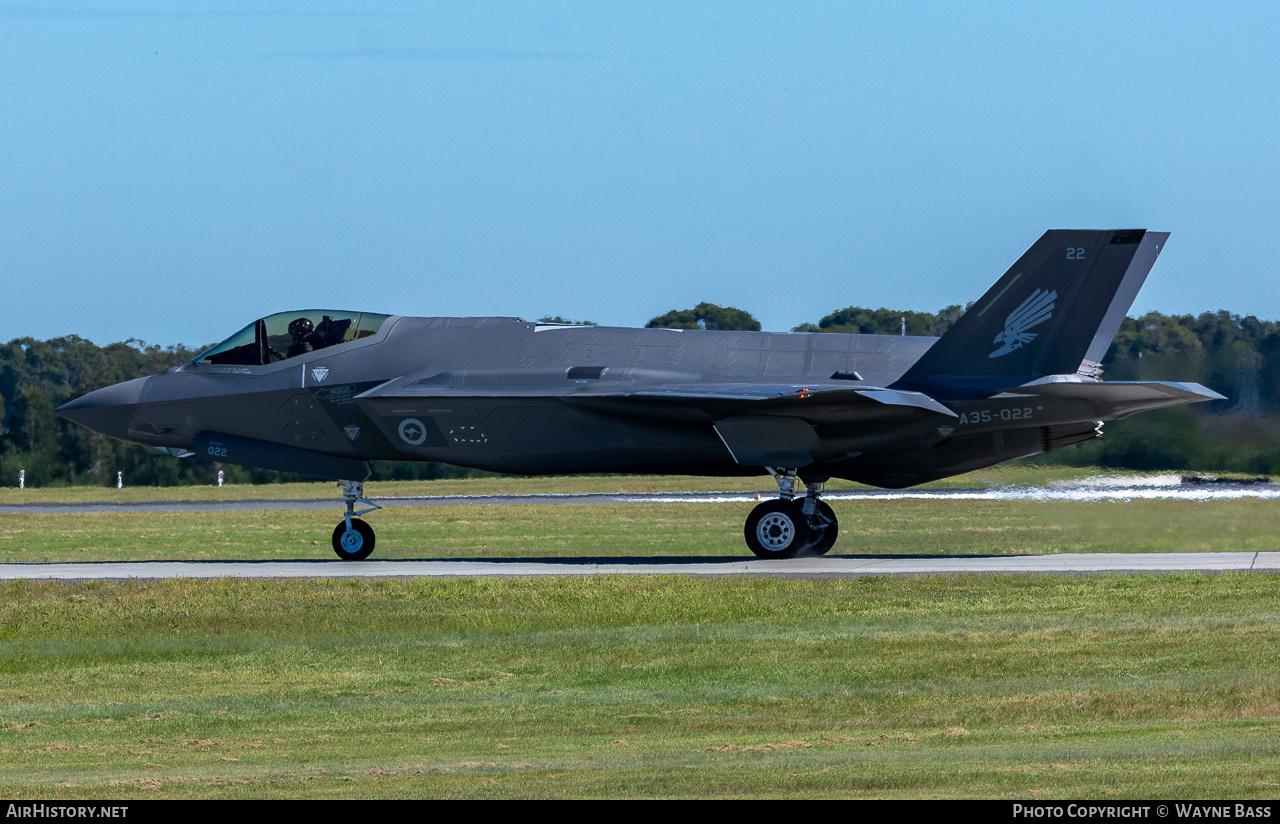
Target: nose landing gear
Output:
[(788, 527), (353, 539)]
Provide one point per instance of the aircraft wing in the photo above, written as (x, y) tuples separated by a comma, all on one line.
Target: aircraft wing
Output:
[(813, 394), (716, 399)]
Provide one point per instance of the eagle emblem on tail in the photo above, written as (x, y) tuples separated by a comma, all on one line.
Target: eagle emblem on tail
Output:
[(1033, 311)]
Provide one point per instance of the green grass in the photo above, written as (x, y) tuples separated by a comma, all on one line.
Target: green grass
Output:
[(992, 686), (886, 527), (1018, 474)]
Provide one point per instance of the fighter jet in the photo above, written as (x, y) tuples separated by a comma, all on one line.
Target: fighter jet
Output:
[(323, 393)]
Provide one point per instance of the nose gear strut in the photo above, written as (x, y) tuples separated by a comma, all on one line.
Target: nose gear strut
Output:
[(353, 539)]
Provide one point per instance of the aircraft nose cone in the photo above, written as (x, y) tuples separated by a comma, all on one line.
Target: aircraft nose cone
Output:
[(107, 410)]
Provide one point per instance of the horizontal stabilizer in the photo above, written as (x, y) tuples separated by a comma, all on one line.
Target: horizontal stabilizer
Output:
[(1118, 399)]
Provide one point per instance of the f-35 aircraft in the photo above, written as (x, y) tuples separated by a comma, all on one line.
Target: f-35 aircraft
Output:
[(324, 392)]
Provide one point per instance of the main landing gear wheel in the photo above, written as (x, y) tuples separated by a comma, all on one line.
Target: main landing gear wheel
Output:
[(354, 544), (776, 529), (783, 529), (821, 538)]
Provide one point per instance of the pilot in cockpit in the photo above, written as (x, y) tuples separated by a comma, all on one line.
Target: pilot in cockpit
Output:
[(303, 340)]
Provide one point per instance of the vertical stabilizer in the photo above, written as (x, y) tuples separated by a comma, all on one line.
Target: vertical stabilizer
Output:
[(1054, 312)]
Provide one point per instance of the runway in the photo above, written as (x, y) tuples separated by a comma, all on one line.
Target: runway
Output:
[(851, 566)]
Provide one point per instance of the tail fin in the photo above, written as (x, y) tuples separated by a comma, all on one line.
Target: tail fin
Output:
[(1054, 312)]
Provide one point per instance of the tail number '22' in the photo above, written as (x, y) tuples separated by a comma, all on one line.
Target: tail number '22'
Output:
[(989, 415)]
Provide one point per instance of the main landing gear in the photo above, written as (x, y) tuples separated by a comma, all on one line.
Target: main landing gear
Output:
[(788, 526), (353, 538)]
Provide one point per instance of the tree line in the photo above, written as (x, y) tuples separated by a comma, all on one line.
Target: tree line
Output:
[(1237, 356)]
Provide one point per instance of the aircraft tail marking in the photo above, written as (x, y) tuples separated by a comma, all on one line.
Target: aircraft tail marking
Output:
[(1034, 311)]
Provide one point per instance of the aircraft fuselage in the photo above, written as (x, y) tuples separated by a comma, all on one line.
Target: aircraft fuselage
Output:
[(513, 396)]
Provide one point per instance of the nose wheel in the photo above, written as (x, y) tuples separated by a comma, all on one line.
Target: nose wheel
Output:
[(353, 543), (353, 539)]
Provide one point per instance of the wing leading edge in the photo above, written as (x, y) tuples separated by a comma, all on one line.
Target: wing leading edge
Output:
[(717, 398)]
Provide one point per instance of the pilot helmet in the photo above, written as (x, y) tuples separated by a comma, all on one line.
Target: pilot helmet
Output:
[(300, 328)]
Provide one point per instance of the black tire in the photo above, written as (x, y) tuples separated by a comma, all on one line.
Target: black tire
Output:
[(776, 529), (355, 545), (820, 540)]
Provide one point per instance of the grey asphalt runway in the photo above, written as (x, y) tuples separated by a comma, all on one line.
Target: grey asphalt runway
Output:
[(840, 566)]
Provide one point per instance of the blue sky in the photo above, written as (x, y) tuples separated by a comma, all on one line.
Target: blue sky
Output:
[(170, 172)]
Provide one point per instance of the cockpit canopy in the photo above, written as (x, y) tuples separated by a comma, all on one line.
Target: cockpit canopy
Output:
[(289, 334)]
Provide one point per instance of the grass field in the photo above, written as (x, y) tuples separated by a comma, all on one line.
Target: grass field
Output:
[(992, 686), (893, 527), (1005, 474), (951, 686)]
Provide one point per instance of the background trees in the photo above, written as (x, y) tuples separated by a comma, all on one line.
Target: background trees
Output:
[(37, 376), (706, 316), (855, 320)]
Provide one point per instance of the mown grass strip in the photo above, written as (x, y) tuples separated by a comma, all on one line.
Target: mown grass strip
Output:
[(613, 531), (960, 686), (1006, 474)]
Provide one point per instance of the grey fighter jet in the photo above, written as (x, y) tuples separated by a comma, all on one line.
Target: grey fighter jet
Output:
[(322, 393)]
